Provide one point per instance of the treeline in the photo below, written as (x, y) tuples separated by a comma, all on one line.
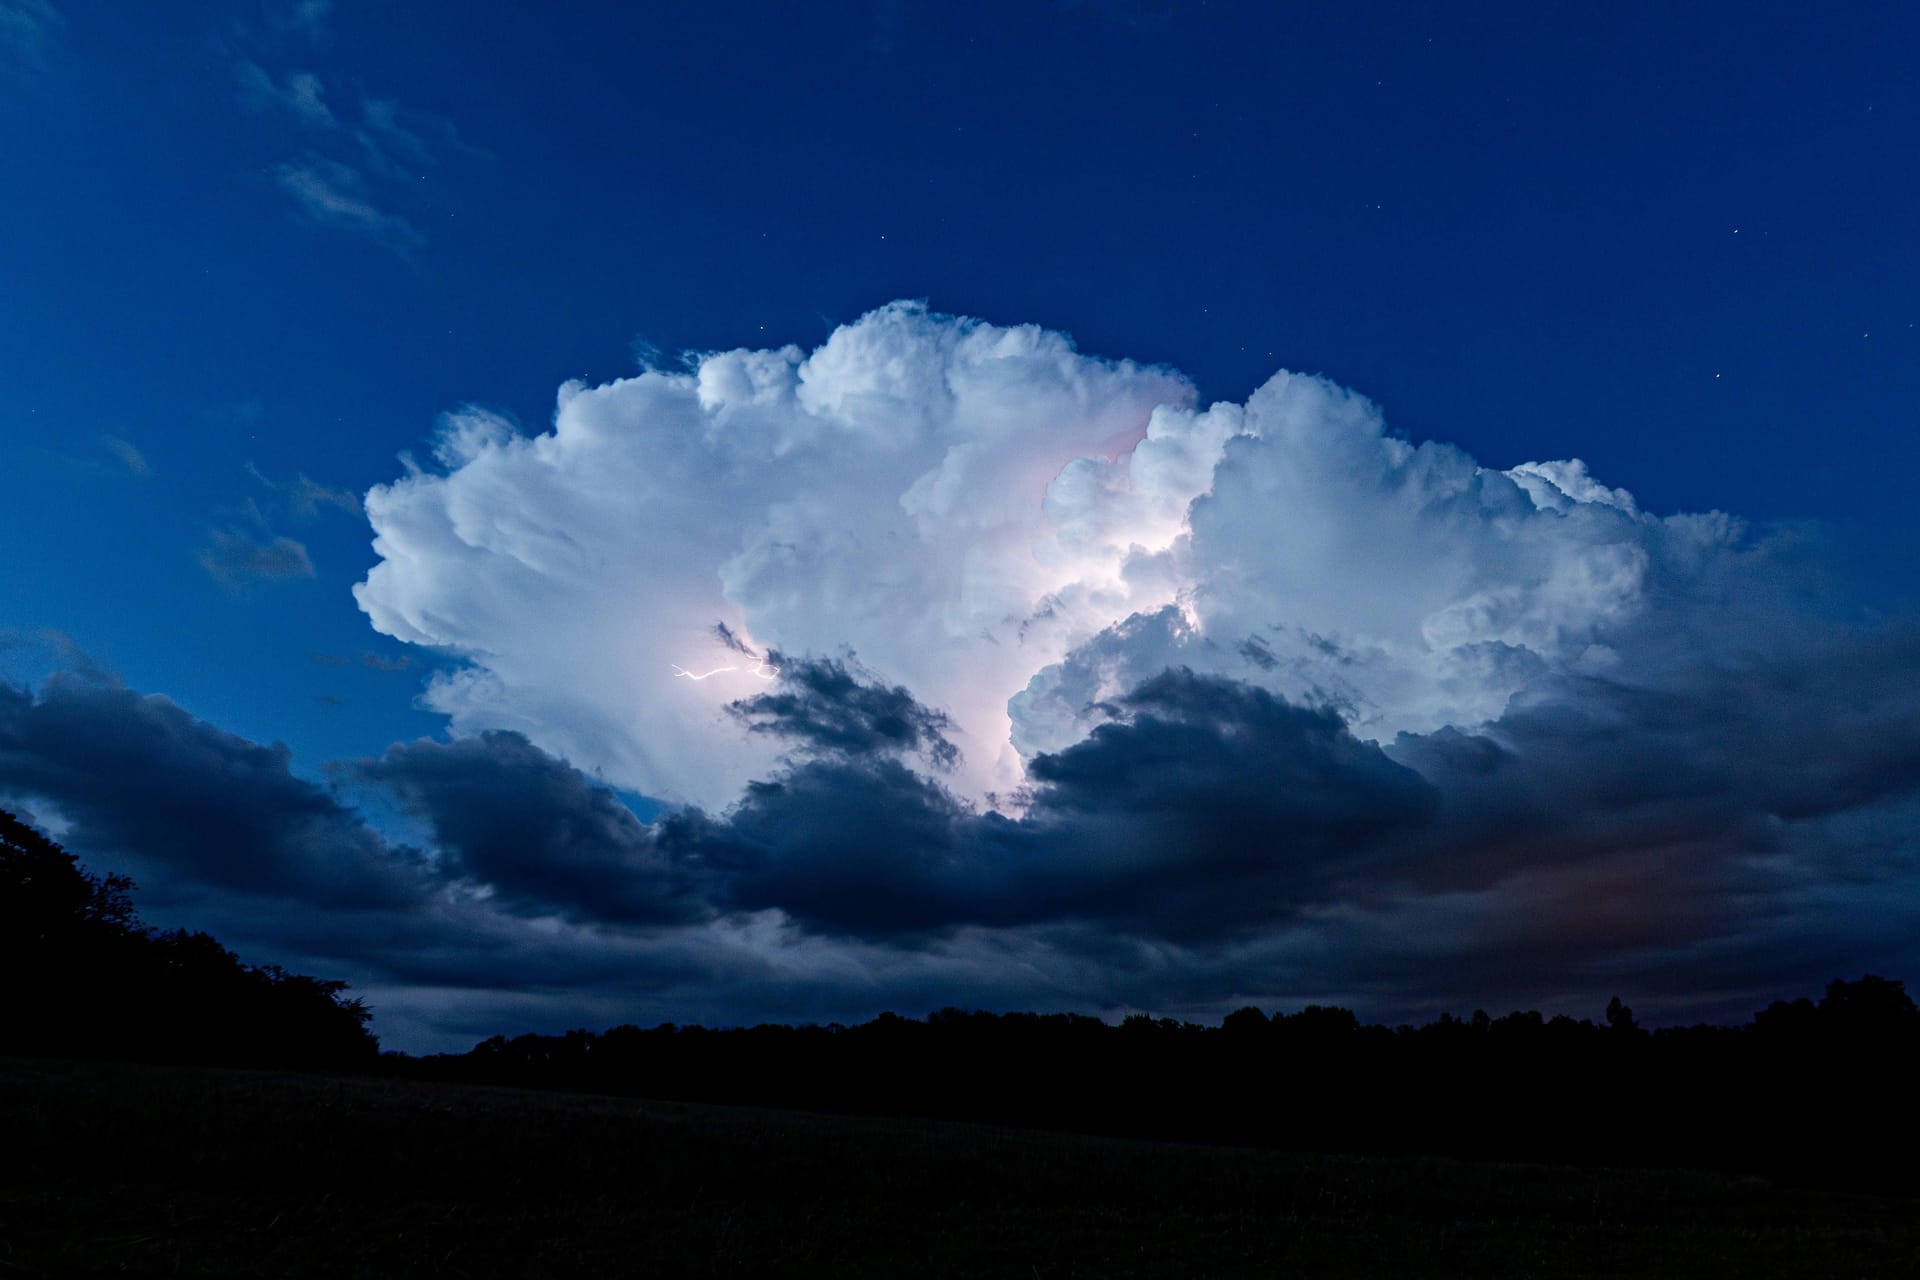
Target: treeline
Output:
[(85, 978), (1810, 1092), (1807, 1091)]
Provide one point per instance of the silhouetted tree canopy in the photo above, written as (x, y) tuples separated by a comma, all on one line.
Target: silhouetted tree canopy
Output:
[(86, 978), (1809, 1092)]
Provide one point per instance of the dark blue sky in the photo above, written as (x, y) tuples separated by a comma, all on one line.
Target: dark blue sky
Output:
[(253, 242)]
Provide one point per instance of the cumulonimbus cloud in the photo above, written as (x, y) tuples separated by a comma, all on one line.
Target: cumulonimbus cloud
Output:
[(897, 492), (995, 672), (1015, 531)]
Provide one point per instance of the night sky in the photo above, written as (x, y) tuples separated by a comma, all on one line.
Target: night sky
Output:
[(566, 515)]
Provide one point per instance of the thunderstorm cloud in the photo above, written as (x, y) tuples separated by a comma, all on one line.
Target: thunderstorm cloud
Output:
[(945, 663)]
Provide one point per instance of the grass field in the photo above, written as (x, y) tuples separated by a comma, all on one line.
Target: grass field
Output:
[(146, 1170)]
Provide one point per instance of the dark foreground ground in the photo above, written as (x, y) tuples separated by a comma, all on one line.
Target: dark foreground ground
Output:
[(152, 1170)]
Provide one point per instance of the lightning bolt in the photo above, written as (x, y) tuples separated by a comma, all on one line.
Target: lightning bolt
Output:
[(761, 669)]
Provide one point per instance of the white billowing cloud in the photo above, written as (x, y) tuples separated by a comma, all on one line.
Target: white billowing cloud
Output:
[(1012, 529), (1332, 562), (889, 493)]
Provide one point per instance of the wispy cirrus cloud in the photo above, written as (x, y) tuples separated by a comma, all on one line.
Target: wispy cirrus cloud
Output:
[(27, 30), (305, 497), (115, 452), (364, 155), (249, 549), (403, 140), (236, 557), (331, 194), (300, 96), (127, 453), (307, 18)]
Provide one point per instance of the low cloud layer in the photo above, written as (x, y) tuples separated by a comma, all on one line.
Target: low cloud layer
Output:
[(1208, 843), (183, 805), (534, 833)]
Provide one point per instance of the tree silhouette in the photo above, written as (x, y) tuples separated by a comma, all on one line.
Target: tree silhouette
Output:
[(1246, 1022), (1869, 1008), (45, 896), (89, 979)]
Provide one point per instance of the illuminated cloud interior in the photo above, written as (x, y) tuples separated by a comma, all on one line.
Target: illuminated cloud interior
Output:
[(1014, 530)]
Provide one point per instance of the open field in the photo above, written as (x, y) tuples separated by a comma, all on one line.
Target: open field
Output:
[(152, 1170)]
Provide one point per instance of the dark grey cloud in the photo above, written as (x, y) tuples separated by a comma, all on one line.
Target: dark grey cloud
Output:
[(1204, 809), (1610, 820), (731, 640), (221, 835), (1221, 807), (824, 704), (538, 833), (1697, 838), (1725, 760), (1606, 834), (862, 847), (1191, 743), (185, 806), (1256, 650), (1704, 837)]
